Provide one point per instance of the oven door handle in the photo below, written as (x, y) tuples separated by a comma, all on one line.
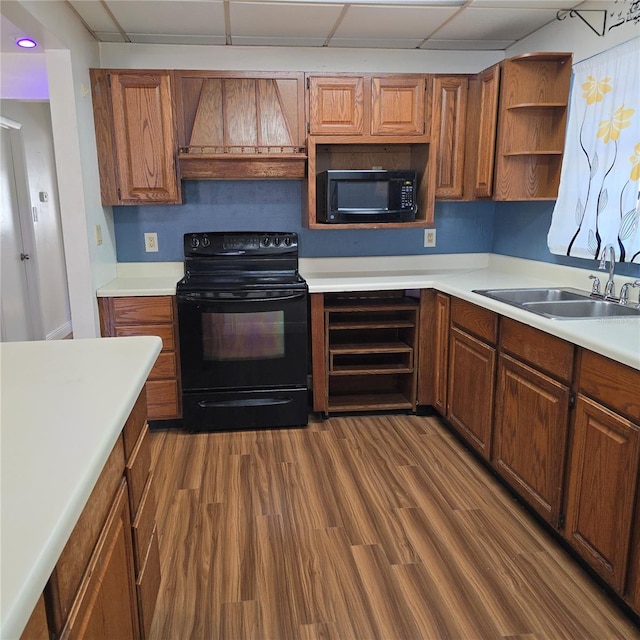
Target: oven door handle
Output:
[(196, 297), (246, 402)]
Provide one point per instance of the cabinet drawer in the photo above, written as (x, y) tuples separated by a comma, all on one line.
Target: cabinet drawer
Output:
[(612, 383), (165, 367), (545, 352), (162, 399), (66, 577), (143, 310), (163, 331), (138, 469), (477, 321), (144, 523), (134, 424), (148, 584)]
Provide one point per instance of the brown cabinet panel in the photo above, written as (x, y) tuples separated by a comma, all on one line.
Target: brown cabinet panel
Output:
[(137, 469), (398, 105), (530, 435), (476, 320), (144, 523), (471, 380), (482, 126), (336, 105), (135, 134), (150, 316), (134, 424), (450, 112), (37, 627), (602, 490), (611, 383), (441, 355), (148, 584), (545, 352), (106, 606)]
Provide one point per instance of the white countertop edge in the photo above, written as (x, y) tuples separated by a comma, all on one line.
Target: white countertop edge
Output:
[(19, 595)]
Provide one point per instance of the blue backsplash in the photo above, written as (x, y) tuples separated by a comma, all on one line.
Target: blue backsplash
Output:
[(516, 229)]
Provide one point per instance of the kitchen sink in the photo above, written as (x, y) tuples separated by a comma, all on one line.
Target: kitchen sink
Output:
[(561, 303)]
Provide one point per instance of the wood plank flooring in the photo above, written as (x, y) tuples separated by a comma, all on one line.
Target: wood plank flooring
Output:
[(371, 527)]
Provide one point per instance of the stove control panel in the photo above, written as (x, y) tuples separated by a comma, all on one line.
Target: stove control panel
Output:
[(218, 243)]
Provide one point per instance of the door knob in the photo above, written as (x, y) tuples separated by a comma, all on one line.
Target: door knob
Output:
[(24, 256)]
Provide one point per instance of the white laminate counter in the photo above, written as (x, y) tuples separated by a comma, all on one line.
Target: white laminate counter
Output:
[(456, 274), (63, 406)]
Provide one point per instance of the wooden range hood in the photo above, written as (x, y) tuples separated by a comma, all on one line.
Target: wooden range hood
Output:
[(235, 125)]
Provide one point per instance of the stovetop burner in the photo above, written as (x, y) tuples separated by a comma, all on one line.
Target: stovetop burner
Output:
[(240, 261)]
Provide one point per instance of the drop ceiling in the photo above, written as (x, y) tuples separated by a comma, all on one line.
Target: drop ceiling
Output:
[(386, 24)]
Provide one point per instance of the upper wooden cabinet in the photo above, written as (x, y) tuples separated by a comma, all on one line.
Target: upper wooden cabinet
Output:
[(450, 114), (135, 137), (240, 125), (389, 105), (534, 98)]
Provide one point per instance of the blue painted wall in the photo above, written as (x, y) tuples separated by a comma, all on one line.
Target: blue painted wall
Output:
[(511, 228)]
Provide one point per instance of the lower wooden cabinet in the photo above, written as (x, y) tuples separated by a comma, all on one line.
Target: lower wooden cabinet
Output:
[(105, 606), (441, 352), (106, 581), (471, 373), (602, 490), (530, 437), (150, 316)]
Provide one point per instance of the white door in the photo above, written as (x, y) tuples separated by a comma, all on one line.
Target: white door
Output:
[(15, 320)]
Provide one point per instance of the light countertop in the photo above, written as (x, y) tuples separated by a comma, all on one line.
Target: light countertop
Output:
[(64, 404), (456, 274)]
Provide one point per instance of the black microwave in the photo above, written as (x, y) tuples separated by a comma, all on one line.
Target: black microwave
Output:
[(366, 196)]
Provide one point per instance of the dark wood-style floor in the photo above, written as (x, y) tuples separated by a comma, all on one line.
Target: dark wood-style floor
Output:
[(356, 527)]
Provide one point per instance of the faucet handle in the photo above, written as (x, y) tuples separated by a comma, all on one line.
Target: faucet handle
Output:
[(624, 292), (595, 289)]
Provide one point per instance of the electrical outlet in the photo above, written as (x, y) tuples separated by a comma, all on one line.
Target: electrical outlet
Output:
[(429, 237), (98, 231), (151, 242)]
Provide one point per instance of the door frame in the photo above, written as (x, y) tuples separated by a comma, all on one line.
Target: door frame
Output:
[(25, 213)]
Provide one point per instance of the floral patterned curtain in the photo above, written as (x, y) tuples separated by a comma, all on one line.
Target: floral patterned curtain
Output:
[(598, 200)]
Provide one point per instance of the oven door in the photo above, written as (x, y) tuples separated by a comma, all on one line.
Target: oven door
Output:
[(243, 340)]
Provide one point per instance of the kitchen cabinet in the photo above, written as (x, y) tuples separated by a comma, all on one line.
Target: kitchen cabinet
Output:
[(481, 132), (440, 362), (450, 114), (105, 606), (37, 626), (471, 373), (371, 122), (388, 105), (534, 98), (95, 589), (370, 345), (603, 472), (241, 125), (135, 137), (144, 316), (532, 415)]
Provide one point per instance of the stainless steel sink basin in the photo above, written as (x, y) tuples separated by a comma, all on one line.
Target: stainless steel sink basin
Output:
[(581, 309), (561, 303)]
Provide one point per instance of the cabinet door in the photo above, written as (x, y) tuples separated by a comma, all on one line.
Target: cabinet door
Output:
[(336, 105), (450, 112), (481, 133), (441, 354), (472, 366), (145, 142), (106, 604), (530, 438), (397, 106), (603, 479)]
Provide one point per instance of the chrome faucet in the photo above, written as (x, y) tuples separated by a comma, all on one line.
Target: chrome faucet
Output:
[(610, 287), (624, 292)]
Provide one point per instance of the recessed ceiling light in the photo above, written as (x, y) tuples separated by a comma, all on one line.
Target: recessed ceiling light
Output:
[(26, 43)]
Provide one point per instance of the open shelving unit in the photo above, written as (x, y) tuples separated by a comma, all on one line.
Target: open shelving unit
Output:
[(532, 122), (371, 349)]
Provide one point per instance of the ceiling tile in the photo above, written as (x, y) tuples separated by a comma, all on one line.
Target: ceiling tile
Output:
[(170, 18), (145, 38), (392, 22), (467, 45), (94, 15), (375, 43), (495, 24), (277, 41), (269, 19)]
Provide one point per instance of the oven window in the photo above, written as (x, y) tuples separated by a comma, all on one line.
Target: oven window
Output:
[(243, 336)]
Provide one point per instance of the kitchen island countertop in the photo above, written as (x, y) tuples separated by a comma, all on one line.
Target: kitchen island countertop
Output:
[(64, 405)]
